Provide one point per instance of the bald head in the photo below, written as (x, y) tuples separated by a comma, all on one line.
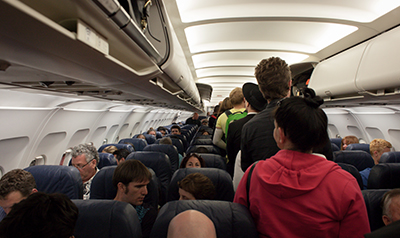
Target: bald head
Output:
[(191, 224)]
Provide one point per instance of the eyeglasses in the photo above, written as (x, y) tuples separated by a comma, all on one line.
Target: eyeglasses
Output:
[(81, 166)]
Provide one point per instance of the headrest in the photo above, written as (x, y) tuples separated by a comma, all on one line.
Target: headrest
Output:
[(119, 146), (58, 179), (150, 138), (212, 149), (220, 178), (353, 171), (103, 188), (372, 198), (138, 143), (390, 157), (230, 219), (177, 143), (336, 141), (358, 158), (364, 147), (106, 219), (384, 175), (106, 159), (171, 152), (207, 141), (213, 161), (334, 147)]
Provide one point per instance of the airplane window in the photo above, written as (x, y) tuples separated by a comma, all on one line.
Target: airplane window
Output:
[(39, 160), (66, 157)]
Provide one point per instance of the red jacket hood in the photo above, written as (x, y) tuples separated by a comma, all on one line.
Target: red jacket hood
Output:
[(290, 173)]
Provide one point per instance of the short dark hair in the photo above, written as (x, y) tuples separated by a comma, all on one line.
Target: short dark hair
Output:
[(165, 141), (89, 151), (303, 122), (187, 157), (131, 171), (176, 127), (17, 180), (273, 76), (121, 153), (199, 185), (41, 215)]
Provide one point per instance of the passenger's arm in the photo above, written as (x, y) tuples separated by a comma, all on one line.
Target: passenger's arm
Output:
[(217, 139)]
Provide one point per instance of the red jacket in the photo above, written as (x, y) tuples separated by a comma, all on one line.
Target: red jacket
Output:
[(295, 194)]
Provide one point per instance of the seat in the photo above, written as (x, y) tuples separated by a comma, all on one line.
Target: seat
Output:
[(119, 146), (334, 147), (58, 179), (177, 143), (213, 161), (106, 219), (198, 141), (220, 178), (353, 171), (230, 219), (183, 140), (103, 188), (390, 157), (106, 159), (168, 150), (336, 141), (364, 147), (149, 138), (384, 176), (372, 199), (161, 165), (212, 149), (138, 144), (358, 158)]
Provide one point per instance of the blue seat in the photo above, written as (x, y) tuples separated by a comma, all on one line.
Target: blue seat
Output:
[(183, 140), (161, 165), (119, 146), (358, 158), (353, 171), (177, 143), (364, 147), (212, 149), (103, 188), (138, 144), (214, 161), (220, 178), (384, 176), (198, 141), (58, 179), (106, 159), (372, 199), (106, 219), (334, 147), (390, 157), (169, 150), (230, 219), (336, 141)]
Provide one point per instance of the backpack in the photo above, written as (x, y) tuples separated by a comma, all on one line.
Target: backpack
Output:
[(233, 117)]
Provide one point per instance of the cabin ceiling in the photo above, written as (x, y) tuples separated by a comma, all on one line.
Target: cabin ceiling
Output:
[(224, 40)]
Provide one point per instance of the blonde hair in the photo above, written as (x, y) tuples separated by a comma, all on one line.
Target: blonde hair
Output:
[(110, 149), (350, 140), (236, 96), (379, 145)]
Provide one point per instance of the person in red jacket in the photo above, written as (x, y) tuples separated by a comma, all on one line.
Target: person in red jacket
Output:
[(297, 193)]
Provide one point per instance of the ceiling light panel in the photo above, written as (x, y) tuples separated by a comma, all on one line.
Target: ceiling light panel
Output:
[(225, 71), (353, 10), (216, 80), (241, 58), (300, 37)]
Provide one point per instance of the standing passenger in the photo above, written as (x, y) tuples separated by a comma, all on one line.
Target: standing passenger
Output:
[(194, 120), (296, 193)]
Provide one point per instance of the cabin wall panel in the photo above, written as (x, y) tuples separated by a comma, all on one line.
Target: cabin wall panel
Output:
[(12, 150), (345, 122), (394, 138), (51, 145)]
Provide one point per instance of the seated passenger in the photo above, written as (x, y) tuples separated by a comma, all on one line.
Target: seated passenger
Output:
[(109, 149), (141, 136), (41, 215), (391, 206), (175, 130), (85, 158), (131, 179), (120, 155), (191, 224), (194, 120), (196, 186), (168, 141), (151, 132), (15, 186), (192, 160), (204, 122), (377, 147), (204, 132), (296, 193), (163, 130), (347, 140)]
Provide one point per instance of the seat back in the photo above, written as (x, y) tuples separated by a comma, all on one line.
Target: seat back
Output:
[(106, 159), (58, 179), (103, 188), (149, 138), (214, 161), (220, 178), (364, 147), (336, 141), (198, 141), (182, 138), (119, 146), (212, 149), (334, 147), (353, 171), (390, 157), (372, 199), (106, 219), (161, 165), (139, 144), (358, 158), (168, 150), (177, 143), (230, 219), (384, 176)]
